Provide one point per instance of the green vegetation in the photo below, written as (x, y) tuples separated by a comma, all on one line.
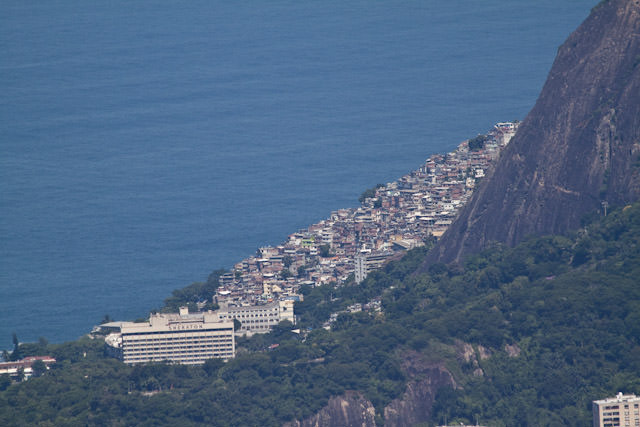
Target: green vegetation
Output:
[(478, 142), (567, 309), (197, 292), (325, 251), (369, 193), (602, 3)]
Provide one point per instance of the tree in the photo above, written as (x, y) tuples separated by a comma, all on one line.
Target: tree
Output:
[(21, 374), (477, 143), (39, 368), (212, 366), (15, 354), (285, 274), (287, 261), (5, 381), (325, 251), (302, 271), (212, 279), (236, 324), (369, 193), (43, 342)]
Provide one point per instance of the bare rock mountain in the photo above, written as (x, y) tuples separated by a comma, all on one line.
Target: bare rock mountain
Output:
[(577, 148)]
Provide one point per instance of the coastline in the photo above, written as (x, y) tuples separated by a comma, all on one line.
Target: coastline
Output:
[(352, 242), (343, 248), (140, 170)]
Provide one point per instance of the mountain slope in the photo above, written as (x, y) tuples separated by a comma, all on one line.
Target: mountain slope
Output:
[(517, 337), (578, 147)]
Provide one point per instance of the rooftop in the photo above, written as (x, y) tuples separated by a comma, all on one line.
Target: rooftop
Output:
[(619, 398)]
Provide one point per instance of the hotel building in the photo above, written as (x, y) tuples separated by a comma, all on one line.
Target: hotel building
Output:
[(177, 337)]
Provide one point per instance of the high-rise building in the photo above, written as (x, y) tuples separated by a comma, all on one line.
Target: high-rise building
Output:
[(176, 337), (620, 411)]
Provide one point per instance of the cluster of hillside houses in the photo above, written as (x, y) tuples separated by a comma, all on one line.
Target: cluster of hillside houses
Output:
[(260, 291), (400, 215)]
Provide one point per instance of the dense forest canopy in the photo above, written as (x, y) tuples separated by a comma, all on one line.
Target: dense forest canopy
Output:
[(554, 324)]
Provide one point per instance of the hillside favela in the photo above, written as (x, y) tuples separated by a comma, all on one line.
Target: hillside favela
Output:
[(259, 293), (496, 285), (352, 242)]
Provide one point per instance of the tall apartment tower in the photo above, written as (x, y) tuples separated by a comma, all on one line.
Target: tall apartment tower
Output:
[(620, 411)]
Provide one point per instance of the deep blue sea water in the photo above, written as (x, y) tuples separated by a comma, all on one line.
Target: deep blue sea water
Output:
[(144, 144)]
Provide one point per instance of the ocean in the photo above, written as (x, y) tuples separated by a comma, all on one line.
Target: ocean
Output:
[(144, 144)]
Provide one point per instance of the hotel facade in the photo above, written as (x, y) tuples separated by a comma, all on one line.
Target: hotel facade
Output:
[(175, 337)]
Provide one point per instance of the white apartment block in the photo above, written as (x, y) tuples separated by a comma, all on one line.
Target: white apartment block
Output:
[(176, 337), (620, 411), (364, 264), (258, 318)]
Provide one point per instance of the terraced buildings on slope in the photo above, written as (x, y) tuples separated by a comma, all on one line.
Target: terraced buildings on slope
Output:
[(401, 215)]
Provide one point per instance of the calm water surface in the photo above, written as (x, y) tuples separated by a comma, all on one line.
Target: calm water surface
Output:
[(145, 144)]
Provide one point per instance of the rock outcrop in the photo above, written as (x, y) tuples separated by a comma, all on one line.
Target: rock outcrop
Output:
[(578, 148), (353, 409), (348, 410), (415, 405)]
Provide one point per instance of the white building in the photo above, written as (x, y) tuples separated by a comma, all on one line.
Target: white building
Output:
[(24, 366), (366, 263), (258, 318), (620, 411), (177, 337)]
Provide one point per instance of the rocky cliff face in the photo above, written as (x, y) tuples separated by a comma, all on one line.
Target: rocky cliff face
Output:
[(349, 410), (415, 405), (578, 147), (353, 409)]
